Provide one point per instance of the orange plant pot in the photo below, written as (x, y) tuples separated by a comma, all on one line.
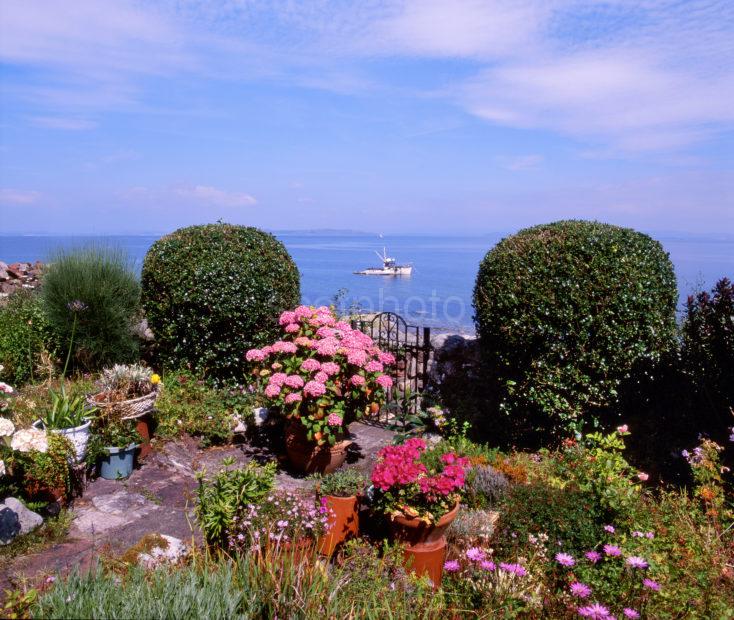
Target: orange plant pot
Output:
[(345, 523), (310, 457), (142, 425), (428, 562)]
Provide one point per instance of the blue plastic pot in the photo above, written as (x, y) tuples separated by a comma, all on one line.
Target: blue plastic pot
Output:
[(118, 463)]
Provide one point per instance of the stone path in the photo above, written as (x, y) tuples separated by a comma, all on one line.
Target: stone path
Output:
[(158, 497)]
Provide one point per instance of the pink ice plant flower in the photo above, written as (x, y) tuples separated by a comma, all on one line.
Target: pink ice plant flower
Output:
[(593, 556), (594, 611), (515, 569), (609, 528), (636, 562), (475, 554), (651, 584), (451, 566), (630, 613), (565, 559), (581, 590), (612, 550), (487, 565)]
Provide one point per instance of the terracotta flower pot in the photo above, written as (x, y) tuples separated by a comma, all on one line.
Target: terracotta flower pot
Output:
[(424, 543), (310, 457), (344, 525), (142, 425), (297, 551)]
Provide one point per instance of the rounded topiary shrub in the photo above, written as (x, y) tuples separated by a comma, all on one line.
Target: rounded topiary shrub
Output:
[(212, 292), (568, 312)]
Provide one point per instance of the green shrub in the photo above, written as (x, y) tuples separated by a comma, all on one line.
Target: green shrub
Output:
[(212, 292), (219, 499), (25, 339), (188, 405), (567, 313), (91, 297), (708, 353)]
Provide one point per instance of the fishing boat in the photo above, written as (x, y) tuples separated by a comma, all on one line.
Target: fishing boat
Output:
[(389, 267)]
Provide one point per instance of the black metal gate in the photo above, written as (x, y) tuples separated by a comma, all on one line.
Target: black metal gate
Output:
[(411, 346)]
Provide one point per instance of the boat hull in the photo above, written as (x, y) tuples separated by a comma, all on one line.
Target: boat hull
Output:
[(388, 271)]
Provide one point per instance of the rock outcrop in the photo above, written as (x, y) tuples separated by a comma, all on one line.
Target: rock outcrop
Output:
[(16, 519), (19, 276)]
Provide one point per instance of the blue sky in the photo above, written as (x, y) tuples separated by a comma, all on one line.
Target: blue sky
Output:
[(418, 116)]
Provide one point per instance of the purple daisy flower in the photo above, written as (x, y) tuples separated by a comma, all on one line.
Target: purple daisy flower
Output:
[(636, 562), (516, 569), (475, 554), (565, 559), (612, 550), (580, 590), (630, 613), (451, 566), (487, 565), (595, 611)]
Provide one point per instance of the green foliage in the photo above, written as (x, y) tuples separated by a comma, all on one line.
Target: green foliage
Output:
[(113, 434), (92, 299), (569, 312), (212, 292), (708, 352), (40, 474), (344, 482), (219, 499), (53, 531), (25, 338), (67, 411), (188, 405)]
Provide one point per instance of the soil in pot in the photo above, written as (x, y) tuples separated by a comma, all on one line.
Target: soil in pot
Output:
[(310, 457), (345, 522)]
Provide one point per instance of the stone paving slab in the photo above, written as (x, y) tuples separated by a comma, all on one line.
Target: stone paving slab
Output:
[(159, 498)]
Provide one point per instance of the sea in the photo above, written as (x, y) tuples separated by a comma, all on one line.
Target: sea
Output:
[(438, 294)]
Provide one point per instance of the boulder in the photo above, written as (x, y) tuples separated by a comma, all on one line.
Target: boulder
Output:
[(16, 519), (170, 550)]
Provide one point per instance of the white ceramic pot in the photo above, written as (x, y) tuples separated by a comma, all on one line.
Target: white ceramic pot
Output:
[(78, 436), (260, 414)]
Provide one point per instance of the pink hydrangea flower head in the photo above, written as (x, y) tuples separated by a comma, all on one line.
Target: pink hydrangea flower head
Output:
[(612, 550), (357, 380), (255, 355), (303, 341), (374, 366), (314, 388), (334, 419), (292, 328), (294, 381), (293, 397), (325, 332), (288, 317), (358, 357), (283, 346), (310, 365), (327, 346), (384, 381), (272, 390), (386, 358), (330, 368), (636, 561), (321, 377), (565, 559), (303, 312), (277, 378), (580, 590)]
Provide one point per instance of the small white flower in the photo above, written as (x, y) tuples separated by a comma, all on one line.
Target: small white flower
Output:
[(7, 428)]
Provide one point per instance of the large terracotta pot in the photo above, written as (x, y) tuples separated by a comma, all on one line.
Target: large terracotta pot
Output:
[(345, 523), (310, 457), (295, 552), (142, 425), (424, 544)]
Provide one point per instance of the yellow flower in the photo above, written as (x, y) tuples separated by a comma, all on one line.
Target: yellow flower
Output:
[(155, 379)]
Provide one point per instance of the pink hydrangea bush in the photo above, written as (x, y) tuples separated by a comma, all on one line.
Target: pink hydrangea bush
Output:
[(322, 372), (410, 480)]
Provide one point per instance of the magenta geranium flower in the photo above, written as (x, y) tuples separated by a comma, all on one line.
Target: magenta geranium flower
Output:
[(581, 590), (565, 559)]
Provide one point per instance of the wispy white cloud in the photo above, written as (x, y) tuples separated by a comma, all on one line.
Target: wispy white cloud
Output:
[(10, 196), (64, 123), (520, 162), (216, 197)]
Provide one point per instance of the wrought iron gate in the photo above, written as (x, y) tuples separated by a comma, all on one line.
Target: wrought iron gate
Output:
[(411, 346)]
